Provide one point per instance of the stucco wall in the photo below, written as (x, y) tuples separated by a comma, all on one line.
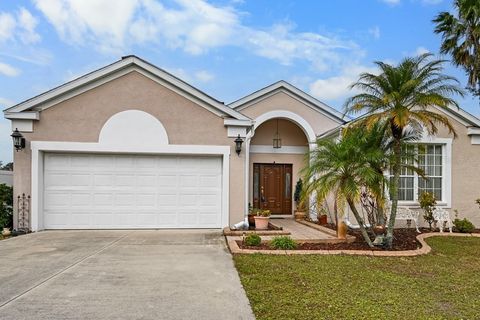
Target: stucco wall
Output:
[(465, 173), (281, 101), (81, 118)]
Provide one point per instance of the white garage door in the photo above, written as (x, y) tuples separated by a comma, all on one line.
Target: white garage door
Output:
[(93, 191)]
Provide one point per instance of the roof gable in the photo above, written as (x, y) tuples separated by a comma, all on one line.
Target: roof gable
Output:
[(287, 88), (30, 108)]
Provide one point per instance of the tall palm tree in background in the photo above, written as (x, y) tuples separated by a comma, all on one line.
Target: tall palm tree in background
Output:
[(403, 96), (461, 39)]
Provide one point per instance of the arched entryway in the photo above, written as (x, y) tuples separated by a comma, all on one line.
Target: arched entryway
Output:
[(273, 168)]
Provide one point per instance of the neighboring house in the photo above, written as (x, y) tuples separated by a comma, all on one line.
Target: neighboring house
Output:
[(6, 177), (131, 146)]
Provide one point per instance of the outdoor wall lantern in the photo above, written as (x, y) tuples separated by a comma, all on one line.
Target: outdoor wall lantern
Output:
[(18, 140), (238, 144), (277, 141)]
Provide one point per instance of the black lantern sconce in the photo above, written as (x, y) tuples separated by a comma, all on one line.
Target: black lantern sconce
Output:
[(18, 140), (238, 145)]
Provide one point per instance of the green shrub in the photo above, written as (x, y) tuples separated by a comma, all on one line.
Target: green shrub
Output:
[(6, 206), (463, 225), (283, 243), (252, 240), (427, 203)]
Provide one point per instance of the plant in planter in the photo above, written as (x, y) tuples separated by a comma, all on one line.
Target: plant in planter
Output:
[(261, 219), (300, 211), (6, 209), (427, 203)]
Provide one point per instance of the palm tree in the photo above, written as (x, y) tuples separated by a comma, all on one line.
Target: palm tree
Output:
[(403, 96), (342, 168), (461, 39)]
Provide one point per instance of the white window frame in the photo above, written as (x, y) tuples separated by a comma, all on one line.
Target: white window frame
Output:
[(446, 144)]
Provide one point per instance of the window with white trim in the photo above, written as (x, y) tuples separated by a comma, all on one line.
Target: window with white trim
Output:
[(430, 159)]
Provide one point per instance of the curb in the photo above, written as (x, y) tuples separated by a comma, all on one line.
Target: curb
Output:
[(425, 249)]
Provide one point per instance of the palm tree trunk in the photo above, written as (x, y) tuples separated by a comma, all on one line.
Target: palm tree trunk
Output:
[(360, 222), (397, 155)]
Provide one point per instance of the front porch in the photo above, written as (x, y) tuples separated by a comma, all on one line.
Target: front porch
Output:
[(300, 231), (277, 152)]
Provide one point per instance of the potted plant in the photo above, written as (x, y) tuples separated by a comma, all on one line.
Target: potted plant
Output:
[(322, 219), (300, 212), (261, 219)]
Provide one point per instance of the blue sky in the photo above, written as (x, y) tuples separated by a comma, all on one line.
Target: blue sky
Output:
[(226, 48)]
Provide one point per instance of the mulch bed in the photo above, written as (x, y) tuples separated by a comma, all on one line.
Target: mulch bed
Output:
[(404, 239)]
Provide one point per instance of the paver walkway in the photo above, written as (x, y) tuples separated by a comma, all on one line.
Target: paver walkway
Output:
[(298, 231)]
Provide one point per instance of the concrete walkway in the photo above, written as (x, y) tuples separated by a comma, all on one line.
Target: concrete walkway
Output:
[(120, 275), (299, 231)]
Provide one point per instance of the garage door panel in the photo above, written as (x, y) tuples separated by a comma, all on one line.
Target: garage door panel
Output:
[(80, 180), (81, 200), (167, 180), (102, 161), (129, 191)]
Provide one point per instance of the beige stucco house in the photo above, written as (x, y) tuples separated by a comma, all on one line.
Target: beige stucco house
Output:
[(131, 146)]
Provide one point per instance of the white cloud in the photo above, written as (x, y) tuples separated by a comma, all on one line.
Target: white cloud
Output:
[(27, 24), (421, 50), (79, 21), (7, 26), (194, 26), (20, 27), (337, 87), (204, 76), (8, 70), (375, 32)]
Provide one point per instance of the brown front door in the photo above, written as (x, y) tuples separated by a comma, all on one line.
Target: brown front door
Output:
[(272, 187)]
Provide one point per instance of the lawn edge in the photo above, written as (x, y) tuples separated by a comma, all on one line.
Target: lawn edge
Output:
[(425, 249)]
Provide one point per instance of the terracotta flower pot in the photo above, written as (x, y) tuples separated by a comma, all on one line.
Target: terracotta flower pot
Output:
[(341, 230), (261, 223), (300, 215), (322, 219)]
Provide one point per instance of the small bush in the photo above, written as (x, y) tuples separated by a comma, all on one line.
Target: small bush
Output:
[(6, 206), (283, 243), (463, 225), (427, 203), (252, 240)]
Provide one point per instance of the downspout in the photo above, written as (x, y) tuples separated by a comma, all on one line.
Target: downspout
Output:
[(244, 224)]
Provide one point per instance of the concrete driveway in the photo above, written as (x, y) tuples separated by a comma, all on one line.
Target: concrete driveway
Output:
[(120, 275)]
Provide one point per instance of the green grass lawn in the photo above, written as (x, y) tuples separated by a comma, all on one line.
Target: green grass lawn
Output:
[(444, 284)]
